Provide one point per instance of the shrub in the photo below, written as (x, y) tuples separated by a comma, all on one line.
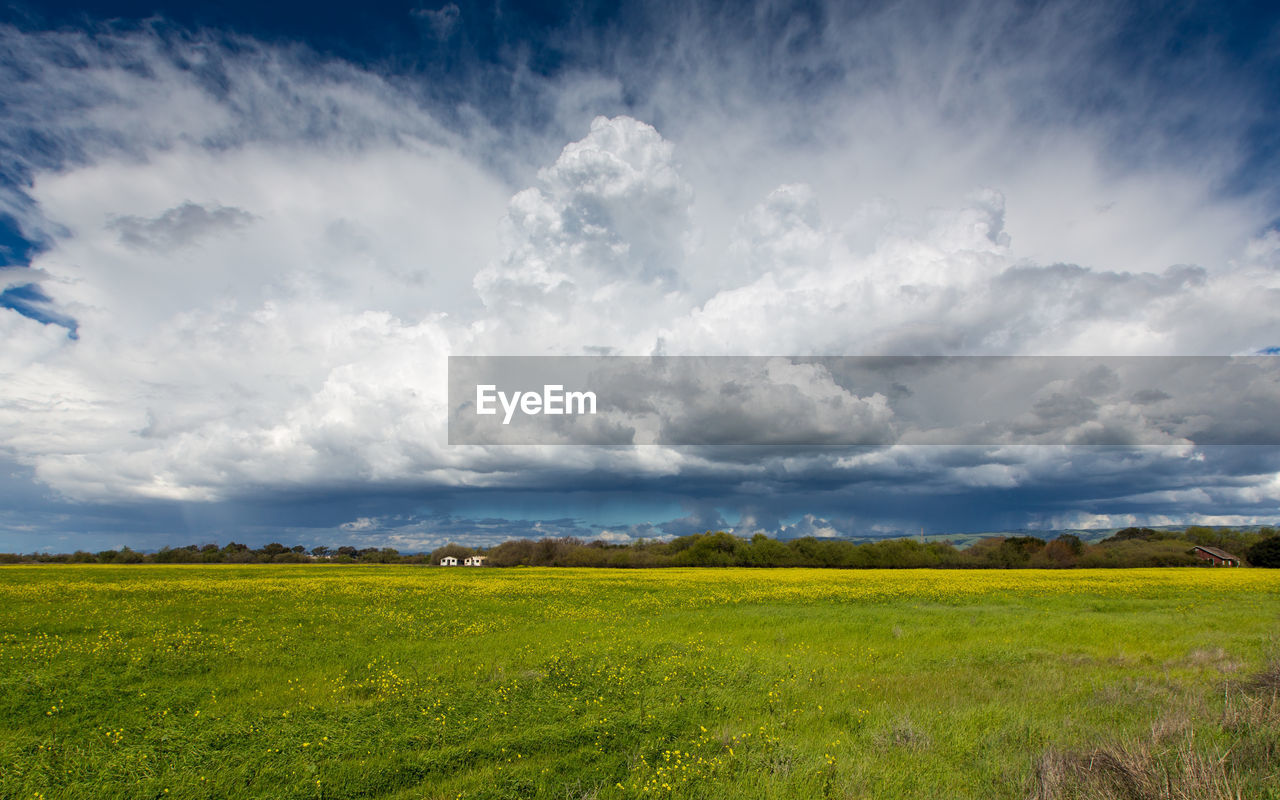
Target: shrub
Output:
[(1265, 553)]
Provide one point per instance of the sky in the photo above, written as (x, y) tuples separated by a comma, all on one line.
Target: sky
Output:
[(239, 242)]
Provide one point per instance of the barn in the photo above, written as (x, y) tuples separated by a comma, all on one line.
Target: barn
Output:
[(1219, 558), (448, 561), (474, 561)]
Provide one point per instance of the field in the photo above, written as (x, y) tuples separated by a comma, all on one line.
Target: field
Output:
[(404, 682)]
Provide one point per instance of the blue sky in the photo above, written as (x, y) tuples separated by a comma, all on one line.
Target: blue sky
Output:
[(238, 242)]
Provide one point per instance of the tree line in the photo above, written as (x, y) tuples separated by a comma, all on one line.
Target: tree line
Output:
[(1130, 547), (233, 553)]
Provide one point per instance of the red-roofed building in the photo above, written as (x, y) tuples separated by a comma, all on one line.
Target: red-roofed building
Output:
[(1219, 558)]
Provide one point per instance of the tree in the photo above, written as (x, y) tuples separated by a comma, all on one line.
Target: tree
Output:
[(237, 553), (182, 555), (1064, 550), (1127, 534), (1071, 543), (1023, 547), (712, 549), (1265, 553), (127, 556), (508, 554), (456, 550), (766, 552), (386, 555)]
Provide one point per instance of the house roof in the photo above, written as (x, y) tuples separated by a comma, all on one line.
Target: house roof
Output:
[(1213, 551)]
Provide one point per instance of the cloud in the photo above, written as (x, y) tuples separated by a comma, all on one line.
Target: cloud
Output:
[(268, 255), (605, 226), (614, 537), (702, 517), (178, 226), (441, 21), (16, 277), (809, 525)]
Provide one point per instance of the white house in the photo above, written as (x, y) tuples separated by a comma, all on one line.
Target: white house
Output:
[(474, 561), (448, 561)]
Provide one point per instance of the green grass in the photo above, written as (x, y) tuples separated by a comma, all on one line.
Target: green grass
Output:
[(402, 682)]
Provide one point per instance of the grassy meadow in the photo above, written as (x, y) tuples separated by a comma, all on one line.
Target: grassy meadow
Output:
[(284, 681)]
